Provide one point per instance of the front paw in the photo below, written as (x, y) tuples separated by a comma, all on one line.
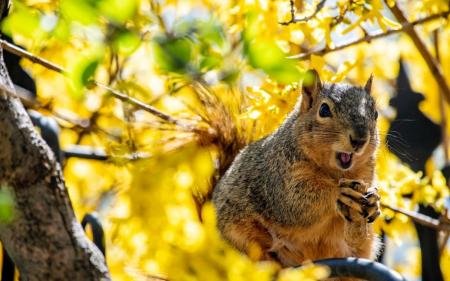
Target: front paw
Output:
[(356, 202)]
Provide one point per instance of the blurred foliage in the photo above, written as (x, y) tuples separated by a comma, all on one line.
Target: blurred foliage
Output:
[(217, 65)]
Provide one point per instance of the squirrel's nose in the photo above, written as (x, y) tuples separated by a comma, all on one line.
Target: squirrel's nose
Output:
[(357, 143)]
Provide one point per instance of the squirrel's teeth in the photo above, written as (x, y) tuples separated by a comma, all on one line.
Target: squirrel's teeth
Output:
[(345, 157), (344, 160)]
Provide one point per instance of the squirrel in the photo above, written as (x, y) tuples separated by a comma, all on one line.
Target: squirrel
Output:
[(305, 192)]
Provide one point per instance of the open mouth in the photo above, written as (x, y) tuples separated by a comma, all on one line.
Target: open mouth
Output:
[(344, 159)]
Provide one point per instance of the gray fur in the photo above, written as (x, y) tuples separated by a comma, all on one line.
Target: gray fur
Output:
[(255, 182)]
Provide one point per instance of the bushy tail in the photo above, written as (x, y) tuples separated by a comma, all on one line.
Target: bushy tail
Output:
[(227, 134)]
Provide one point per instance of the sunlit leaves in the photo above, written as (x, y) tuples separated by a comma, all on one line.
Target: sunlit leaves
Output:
[(208, 32), (194, 47), (117, 11), (173, 54), (23, 21), (93, 15), (61, 30), (265, 54), (125, 42), (83, 11), (88, 11), (81, 73), (153, 50)]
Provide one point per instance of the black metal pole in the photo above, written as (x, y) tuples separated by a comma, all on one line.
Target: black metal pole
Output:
[(360, 268)]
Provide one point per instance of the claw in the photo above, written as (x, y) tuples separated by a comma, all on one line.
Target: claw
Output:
[(354, 184), (351, 184), (364, 201), (373, 218), (364, 213), (343, 210), (371, 205), (368, 194), (372, 193)]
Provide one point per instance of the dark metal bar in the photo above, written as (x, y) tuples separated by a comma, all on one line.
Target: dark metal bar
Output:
[(97, 231), (85, 152), (360, 268)]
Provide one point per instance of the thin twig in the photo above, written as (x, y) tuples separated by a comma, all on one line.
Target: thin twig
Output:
[(432, 63), (340, 18), (25, 54), (368, 38), (154, 277), (49, 65), (319, 7), (144, 106), (443, 123), (421, 218), (93, 153), (444, 240), (27, 99)]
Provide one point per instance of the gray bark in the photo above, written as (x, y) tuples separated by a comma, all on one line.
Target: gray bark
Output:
[(44, 239)]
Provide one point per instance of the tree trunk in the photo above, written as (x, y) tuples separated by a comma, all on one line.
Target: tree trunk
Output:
[(44, 239)]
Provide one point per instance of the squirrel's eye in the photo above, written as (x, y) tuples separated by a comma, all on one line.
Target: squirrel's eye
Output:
[(376, 115), (324, 110)]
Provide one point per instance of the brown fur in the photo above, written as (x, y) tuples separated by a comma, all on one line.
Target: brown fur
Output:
[(286, 193)]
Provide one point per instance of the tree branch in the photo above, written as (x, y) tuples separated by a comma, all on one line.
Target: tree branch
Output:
[(119, 95), (369, 38), (443, 122), (432, 63), (421, 218), (133, 101), (307, 18), (93, 153), (45, 240), (25, 54)]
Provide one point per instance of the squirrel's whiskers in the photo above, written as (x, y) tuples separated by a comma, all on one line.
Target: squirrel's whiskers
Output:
[(306, 191)]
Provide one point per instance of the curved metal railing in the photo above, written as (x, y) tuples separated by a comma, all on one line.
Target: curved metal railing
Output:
[(360, 268)]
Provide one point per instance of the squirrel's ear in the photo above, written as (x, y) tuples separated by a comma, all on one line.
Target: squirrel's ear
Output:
[(310, 88), (368, 86)]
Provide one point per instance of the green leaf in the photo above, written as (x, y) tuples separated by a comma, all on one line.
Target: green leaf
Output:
[(88, 71), (285, 73), (209, 62), (230, 76), (173, 54), (61, 30), (266, 55), (6, 206), (118, 11), (82, 11), (23, 21), (81, 73), (126, 42), (209, 32), (252, 26), (212, 32)]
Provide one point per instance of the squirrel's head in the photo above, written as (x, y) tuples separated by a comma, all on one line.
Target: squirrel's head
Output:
[(337, 123)]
